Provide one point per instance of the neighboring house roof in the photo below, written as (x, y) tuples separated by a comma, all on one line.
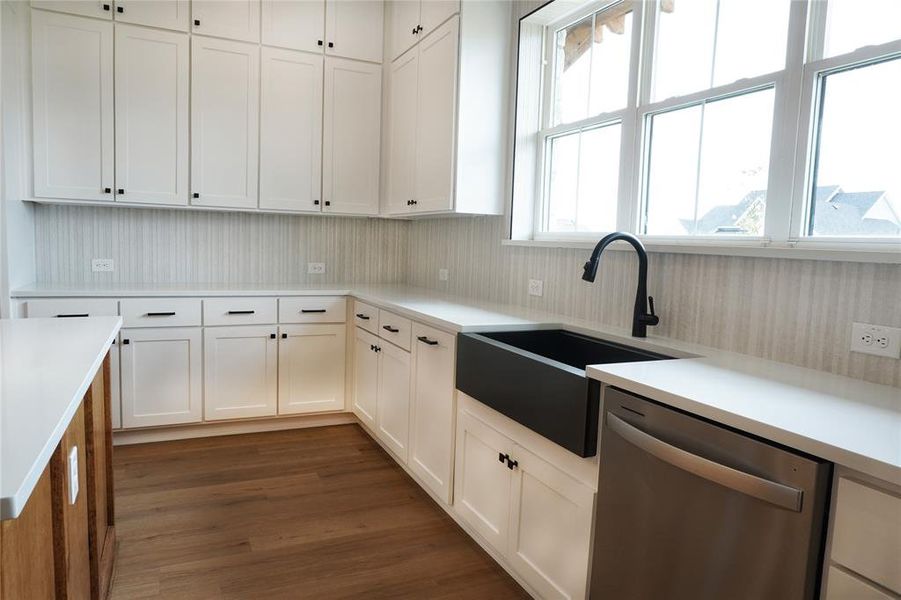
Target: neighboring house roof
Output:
[(837, 213)]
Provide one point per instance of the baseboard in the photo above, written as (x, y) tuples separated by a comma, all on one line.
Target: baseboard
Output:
[(201, 430)]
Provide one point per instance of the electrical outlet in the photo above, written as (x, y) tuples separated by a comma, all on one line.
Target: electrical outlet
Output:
[(316, 268), (103, 265), (442, 274), (876, 339), (536, 287)]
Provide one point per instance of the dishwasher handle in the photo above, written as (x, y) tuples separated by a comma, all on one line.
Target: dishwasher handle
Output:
[(763, 489)]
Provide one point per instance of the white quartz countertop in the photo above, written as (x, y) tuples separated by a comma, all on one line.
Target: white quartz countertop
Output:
[(46, 367), (847, 421)]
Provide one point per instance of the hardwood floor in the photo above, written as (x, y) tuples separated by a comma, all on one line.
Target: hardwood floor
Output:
[(311, 513)]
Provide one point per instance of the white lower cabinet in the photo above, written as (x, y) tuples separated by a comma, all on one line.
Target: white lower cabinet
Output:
[(533, 513), (161, 376), (393, 400), (432, 415), (310, 368), (240, 371), (366, 376)]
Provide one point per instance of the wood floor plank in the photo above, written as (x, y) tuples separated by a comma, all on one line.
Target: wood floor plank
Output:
[(313, 513)]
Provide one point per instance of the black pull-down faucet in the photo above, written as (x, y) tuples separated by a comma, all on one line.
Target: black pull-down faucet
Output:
[(640, 317)]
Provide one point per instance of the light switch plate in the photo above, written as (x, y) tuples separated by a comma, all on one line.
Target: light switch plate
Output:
[(316, 268), (536, 287), (73, 474), (876, 339), (442, 274), (103, 265)]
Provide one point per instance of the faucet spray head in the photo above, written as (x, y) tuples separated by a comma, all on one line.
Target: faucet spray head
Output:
[(590, 270)]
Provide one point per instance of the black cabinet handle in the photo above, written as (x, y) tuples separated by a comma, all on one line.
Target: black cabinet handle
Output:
[(196, 22), (501, 457), (161, 314), (284, 336), (241, 312), (419, 29), (374, 348), (378, 348), (195, 195), (120, 9), (331, 44), (426, 340), (362, 316), (512, 464), (318, 42), (126, 342), (390, 329), (72, 315), (312, 310), (272, 336), (106, 7), (107, 190), (414, 31), (316, 202), (120, 191), (328, 202)]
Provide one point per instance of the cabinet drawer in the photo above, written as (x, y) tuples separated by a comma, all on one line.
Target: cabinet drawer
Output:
[(72, 307), (842, 586), (160, 312), (366, 316), (312, 309), (240, 311), (865, 535), (395, 329)]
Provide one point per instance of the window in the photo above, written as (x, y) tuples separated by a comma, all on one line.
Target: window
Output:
[(765, 122)]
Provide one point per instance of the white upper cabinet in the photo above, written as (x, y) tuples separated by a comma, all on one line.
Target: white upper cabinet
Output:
[(290, 130), (402, 132), (354, 29), (72, 70), (294, 24), (232, 19), (404, 23), (167, 14), (100, 9), (435, 122), (240, 371), (433, 13), (224, 122), (462, 78), (151, 115), (310, 368), (351, 141)]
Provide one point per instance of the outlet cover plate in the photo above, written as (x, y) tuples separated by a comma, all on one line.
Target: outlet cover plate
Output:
[(103, 265), (876, 339), (316, 268), (536, 287), (442, 274)]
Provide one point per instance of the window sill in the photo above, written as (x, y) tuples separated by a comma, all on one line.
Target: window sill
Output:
[(889, 253)]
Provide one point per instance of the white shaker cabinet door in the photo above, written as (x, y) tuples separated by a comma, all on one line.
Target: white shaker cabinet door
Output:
[(404, 82), (166, 14), (432, 417), (404, 21), (99, 9), (294, 24), (240, 371), (352, 136), (436, 118), (72, 78), (290, 130), (393, 422), (310, 368), (161, 376), (550, 527), (224, 123), (151, 115), (435, 12), (482, 479), (353, 29), (231, 19), (366, 377)]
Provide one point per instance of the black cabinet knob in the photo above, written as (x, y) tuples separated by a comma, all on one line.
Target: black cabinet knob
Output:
[(195, 195), (196, 22), (331, 44), (120, 9), (106, 7), (512, 464), (316, 202), (120, 191), (284, 336), (272, 336), (501, 457), (126, 341), (318, 42), (107, 190), (328, 202)]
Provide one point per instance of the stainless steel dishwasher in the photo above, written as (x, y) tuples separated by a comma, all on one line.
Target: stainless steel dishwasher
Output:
[(690, 509)]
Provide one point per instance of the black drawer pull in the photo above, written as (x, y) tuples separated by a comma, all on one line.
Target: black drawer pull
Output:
[(126, 342), (312, 310), (426, 340), (241, 312), (362, 316), (390, 329), (72, 315), (161, 314)]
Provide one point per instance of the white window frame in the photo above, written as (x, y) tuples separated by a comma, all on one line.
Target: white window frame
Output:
[(791, 151)]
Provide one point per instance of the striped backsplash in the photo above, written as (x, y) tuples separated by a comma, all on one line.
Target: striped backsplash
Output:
[(180, 246), (795, 311)]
